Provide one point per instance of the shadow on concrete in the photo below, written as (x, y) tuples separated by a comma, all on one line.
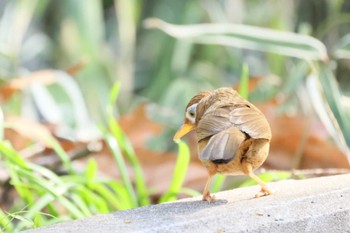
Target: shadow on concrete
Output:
[(172, 210), (183, 207)]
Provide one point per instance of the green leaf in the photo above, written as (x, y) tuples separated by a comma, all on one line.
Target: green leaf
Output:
[(91, 170), (39, 183), (122, 194), (113, 198), (126, 147), (245, 37), (5, 222), (338, 117), (62, 154), (96, 203), (217, 183), (27, 222), (9, 154), (117, 154), (182, 162), (243, 85), (342, 49), (16, 180), (79, 202)]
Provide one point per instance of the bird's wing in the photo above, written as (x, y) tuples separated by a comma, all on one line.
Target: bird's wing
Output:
[(222, 147), (251, 121), (213, 122)]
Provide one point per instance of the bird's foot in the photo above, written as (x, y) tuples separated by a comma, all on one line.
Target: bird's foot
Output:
[(263, 192), (207, 197)]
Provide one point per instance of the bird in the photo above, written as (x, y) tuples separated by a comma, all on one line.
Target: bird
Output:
[(233, 135)]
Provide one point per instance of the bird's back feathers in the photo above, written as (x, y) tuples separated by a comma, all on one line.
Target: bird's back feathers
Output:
[(224, 121)]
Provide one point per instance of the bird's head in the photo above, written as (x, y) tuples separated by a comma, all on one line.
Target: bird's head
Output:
[(192, 115)]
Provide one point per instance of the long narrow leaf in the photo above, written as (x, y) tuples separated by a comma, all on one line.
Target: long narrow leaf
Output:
[(36, 208), (11, 155), (243, 85), (79, 202), (126, 147), (62, 154), (57, 192), (96, 203), (16, 180), (217, 183), (182, 162), (112, 198), (338, 116), (114, 146), (246, 37), (122, 194), (5, 223)]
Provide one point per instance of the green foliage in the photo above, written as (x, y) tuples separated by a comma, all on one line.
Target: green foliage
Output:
[(246, 37), (310, 49), (126, 147), (82, 194), (109, 37), (182, 162), (243, 85)]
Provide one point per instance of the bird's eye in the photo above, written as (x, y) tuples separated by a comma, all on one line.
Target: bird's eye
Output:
[(191, 113)]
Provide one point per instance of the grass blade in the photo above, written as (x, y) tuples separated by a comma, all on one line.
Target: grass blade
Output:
[(37, 182), (243, 85), (182, 162), (217, 183), (5, 222), (117, 154), (113, 199), (126, 147)]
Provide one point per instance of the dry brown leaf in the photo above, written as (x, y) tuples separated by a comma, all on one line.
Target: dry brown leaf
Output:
[(22, 131), (139, 128), (287, 133), (43, 77), (76, 68)]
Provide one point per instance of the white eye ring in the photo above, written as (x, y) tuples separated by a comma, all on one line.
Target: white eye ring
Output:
[(191, 113)]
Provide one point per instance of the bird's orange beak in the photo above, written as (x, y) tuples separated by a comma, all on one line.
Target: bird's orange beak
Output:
[(185, 128)]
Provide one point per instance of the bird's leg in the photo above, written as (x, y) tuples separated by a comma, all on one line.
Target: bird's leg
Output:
[(247, 169), (206, 194)]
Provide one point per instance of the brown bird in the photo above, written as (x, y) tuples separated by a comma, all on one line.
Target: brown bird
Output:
[(233, 135)]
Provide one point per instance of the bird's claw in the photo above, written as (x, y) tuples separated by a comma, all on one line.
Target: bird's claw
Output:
[(209, 198), (263, 192)]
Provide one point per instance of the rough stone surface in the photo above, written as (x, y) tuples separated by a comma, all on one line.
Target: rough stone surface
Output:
[(311, 205)]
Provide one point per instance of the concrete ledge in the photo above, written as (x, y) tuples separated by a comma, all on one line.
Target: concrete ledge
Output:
[(312, 205)]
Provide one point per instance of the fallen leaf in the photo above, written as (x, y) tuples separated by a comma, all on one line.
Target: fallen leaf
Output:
[(43, 77), (28, 130), (287, 135), (76, 68)]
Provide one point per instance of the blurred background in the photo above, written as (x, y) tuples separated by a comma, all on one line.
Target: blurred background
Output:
[(92, 93)]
